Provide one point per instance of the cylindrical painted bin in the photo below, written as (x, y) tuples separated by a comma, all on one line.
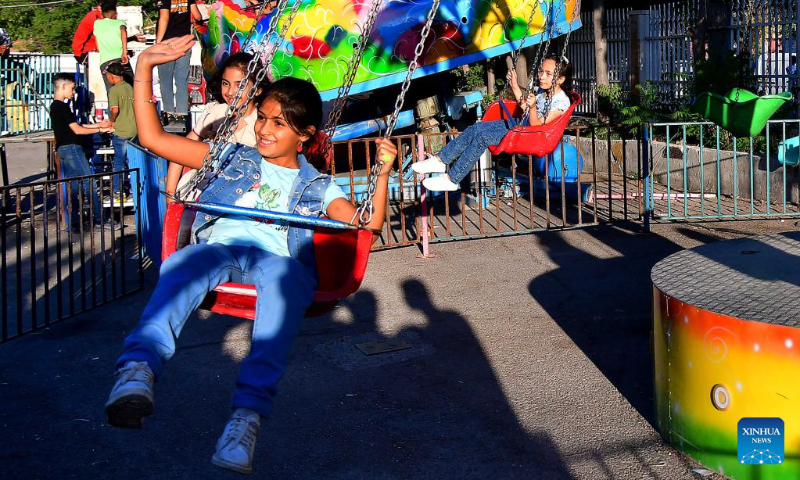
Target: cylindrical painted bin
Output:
[(150, 204), (726, 326)]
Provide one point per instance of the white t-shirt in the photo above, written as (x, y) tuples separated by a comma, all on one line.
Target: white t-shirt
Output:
[(212, 117), (560, 102), (272, 193)]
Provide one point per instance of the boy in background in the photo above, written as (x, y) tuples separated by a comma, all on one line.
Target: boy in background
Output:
[(68, 144), (112, 41), (120, 106)]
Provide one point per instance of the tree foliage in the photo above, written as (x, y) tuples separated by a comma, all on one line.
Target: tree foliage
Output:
[(50, 28)]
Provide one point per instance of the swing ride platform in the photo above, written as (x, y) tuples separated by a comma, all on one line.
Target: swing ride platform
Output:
[(726, 334)]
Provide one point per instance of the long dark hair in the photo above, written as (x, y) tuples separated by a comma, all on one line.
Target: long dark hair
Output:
[(238, 60), (300, 104), (564, 69)]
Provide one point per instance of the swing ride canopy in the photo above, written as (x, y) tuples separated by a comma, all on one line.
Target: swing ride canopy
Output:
[(321, 37)]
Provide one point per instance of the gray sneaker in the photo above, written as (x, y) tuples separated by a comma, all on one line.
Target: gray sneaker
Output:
[(238, 442), (131, 399)]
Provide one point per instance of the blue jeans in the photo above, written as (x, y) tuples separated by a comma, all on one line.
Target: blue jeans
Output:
[(464, 151), (120, 160), (285, 289), (176, 101), (74, 164)]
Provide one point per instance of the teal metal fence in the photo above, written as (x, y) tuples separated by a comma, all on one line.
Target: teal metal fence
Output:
[(697, 171), (26, 90)]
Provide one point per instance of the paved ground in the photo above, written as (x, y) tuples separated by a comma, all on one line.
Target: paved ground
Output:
[(529, 358)]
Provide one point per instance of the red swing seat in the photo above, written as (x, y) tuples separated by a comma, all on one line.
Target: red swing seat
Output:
[(537, 140), (342, 257)]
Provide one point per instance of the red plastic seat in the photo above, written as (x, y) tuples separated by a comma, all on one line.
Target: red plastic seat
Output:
[(342, 257), (538, 140)]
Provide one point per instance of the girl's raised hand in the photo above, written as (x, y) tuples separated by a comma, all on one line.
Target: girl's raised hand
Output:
[(386, 153), (165, 52), (511, 78)]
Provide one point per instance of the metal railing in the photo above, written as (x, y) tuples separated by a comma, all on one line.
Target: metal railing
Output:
[(64, 252), (26, 90), (697, 171), (507, 194)]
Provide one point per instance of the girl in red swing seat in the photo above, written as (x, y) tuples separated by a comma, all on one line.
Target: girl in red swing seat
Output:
[(458, 157), (276, 258)]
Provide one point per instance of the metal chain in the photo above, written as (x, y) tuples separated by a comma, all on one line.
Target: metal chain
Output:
[(557, 72), (518, 50), (365, 209), (749, 32), (352, 70), (233, 114), (543, 48)]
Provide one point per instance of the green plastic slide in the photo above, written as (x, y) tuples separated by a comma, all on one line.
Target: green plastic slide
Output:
[(746, 117)]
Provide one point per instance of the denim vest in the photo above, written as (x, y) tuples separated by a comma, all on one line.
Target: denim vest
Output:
[(240, 170)]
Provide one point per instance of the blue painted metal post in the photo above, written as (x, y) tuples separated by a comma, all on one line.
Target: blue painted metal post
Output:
[(151, 206), (646, 174)]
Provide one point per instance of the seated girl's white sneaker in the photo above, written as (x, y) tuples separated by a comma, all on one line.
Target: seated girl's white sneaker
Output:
[(440, 184), (431, 165)]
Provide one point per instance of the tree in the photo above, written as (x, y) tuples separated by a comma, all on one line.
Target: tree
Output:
[(598, 21), (49, 28)]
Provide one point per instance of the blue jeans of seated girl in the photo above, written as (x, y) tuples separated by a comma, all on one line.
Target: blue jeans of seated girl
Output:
[(73, 163), (463, 152), (285, 289)]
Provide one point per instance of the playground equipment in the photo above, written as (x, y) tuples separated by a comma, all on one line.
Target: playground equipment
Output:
[(538, 140), (342, 252), (725, 346), (789, 152), (742, 113)]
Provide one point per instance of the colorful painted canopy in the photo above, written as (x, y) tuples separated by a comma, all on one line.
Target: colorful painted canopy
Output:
[(320, 40), (743, 116)]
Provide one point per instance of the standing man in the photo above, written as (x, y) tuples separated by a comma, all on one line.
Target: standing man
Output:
[(175, 20), (120, 107)]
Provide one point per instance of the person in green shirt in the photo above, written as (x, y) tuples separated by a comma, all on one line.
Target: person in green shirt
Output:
[(112, 41), (120, 106)]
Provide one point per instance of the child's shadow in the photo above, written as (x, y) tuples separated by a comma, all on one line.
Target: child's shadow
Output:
[(435, 408)]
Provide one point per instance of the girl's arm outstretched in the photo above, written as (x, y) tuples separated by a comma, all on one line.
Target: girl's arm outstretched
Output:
[(342, 210), (152, 136)]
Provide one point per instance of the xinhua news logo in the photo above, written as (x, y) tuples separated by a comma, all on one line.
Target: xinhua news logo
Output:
[(760, 441)]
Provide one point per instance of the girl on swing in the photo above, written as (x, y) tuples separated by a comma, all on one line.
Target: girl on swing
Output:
[(276, 258), (465, 150)]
